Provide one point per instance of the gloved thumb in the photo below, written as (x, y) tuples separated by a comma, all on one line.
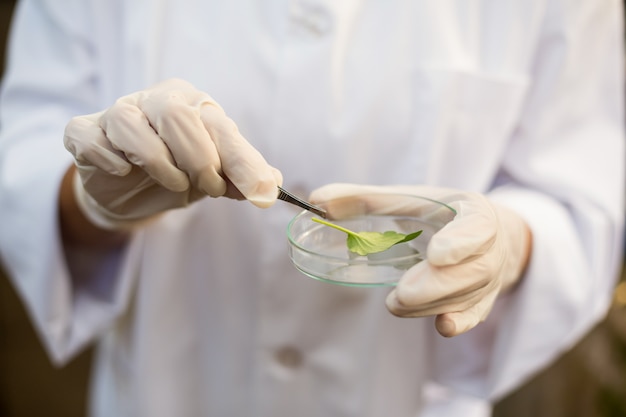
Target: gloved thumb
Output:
[(458, 322), (471, 233)]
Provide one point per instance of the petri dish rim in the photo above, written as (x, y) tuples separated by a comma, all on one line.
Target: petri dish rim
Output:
[(295, 245)]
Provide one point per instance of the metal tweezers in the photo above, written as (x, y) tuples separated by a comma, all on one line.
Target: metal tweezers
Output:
[(290, 198)]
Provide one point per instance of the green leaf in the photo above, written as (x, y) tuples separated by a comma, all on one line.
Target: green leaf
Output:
[(364, 243)]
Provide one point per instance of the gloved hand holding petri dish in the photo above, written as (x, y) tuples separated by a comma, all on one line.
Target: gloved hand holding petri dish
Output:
[(470, 250)]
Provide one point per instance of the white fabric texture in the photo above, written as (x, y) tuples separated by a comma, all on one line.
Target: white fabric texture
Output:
[(202, 313)]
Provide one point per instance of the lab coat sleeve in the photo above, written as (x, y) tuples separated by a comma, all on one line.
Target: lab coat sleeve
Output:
[(563, 171), (48, 80)]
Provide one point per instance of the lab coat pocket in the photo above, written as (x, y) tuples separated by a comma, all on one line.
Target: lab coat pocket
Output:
[(464, 120)]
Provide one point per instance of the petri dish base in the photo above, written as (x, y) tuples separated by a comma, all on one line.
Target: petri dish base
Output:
[(321, 252)]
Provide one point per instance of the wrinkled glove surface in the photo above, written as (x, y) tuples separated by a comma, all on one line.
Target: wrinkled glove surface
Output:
[(481, 252), (159, 149)]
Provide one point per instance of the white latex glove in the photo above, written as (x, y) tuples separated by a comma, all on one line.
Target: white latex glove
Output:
[(159, 149), (480, 253)]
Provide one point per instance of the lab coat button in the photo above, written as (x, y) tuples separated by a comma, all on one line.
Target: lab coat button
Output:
[(289, 357)]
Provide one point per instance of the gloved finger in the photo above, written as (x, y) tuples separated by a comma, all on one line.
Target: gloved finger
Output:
[(347, 200), (89, 145), (179, 125), (234, 193), (458, 322), (130, 132), (426, 289), (242, 164), (471, 233), (401, 307), (453, 324), (336, 190), (452, 317)]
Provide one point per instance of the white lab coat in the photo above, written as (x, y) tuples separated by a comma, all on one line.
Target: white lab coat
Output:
[(202, 314)]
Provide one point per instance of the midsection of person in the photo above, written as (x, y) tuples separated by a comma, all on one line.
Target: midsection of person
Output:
[(221, 323)]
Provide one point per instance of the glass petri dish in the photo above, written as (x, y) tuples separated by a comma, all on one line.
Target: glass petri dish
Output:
[(321, 252)]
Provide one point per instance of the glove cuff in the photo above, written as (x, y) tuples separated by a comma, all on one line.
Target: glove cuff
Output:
[(97, 214)]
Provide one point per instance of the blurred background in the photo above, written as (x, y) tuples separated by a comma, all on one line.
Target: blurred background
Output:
[(587, 381)]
